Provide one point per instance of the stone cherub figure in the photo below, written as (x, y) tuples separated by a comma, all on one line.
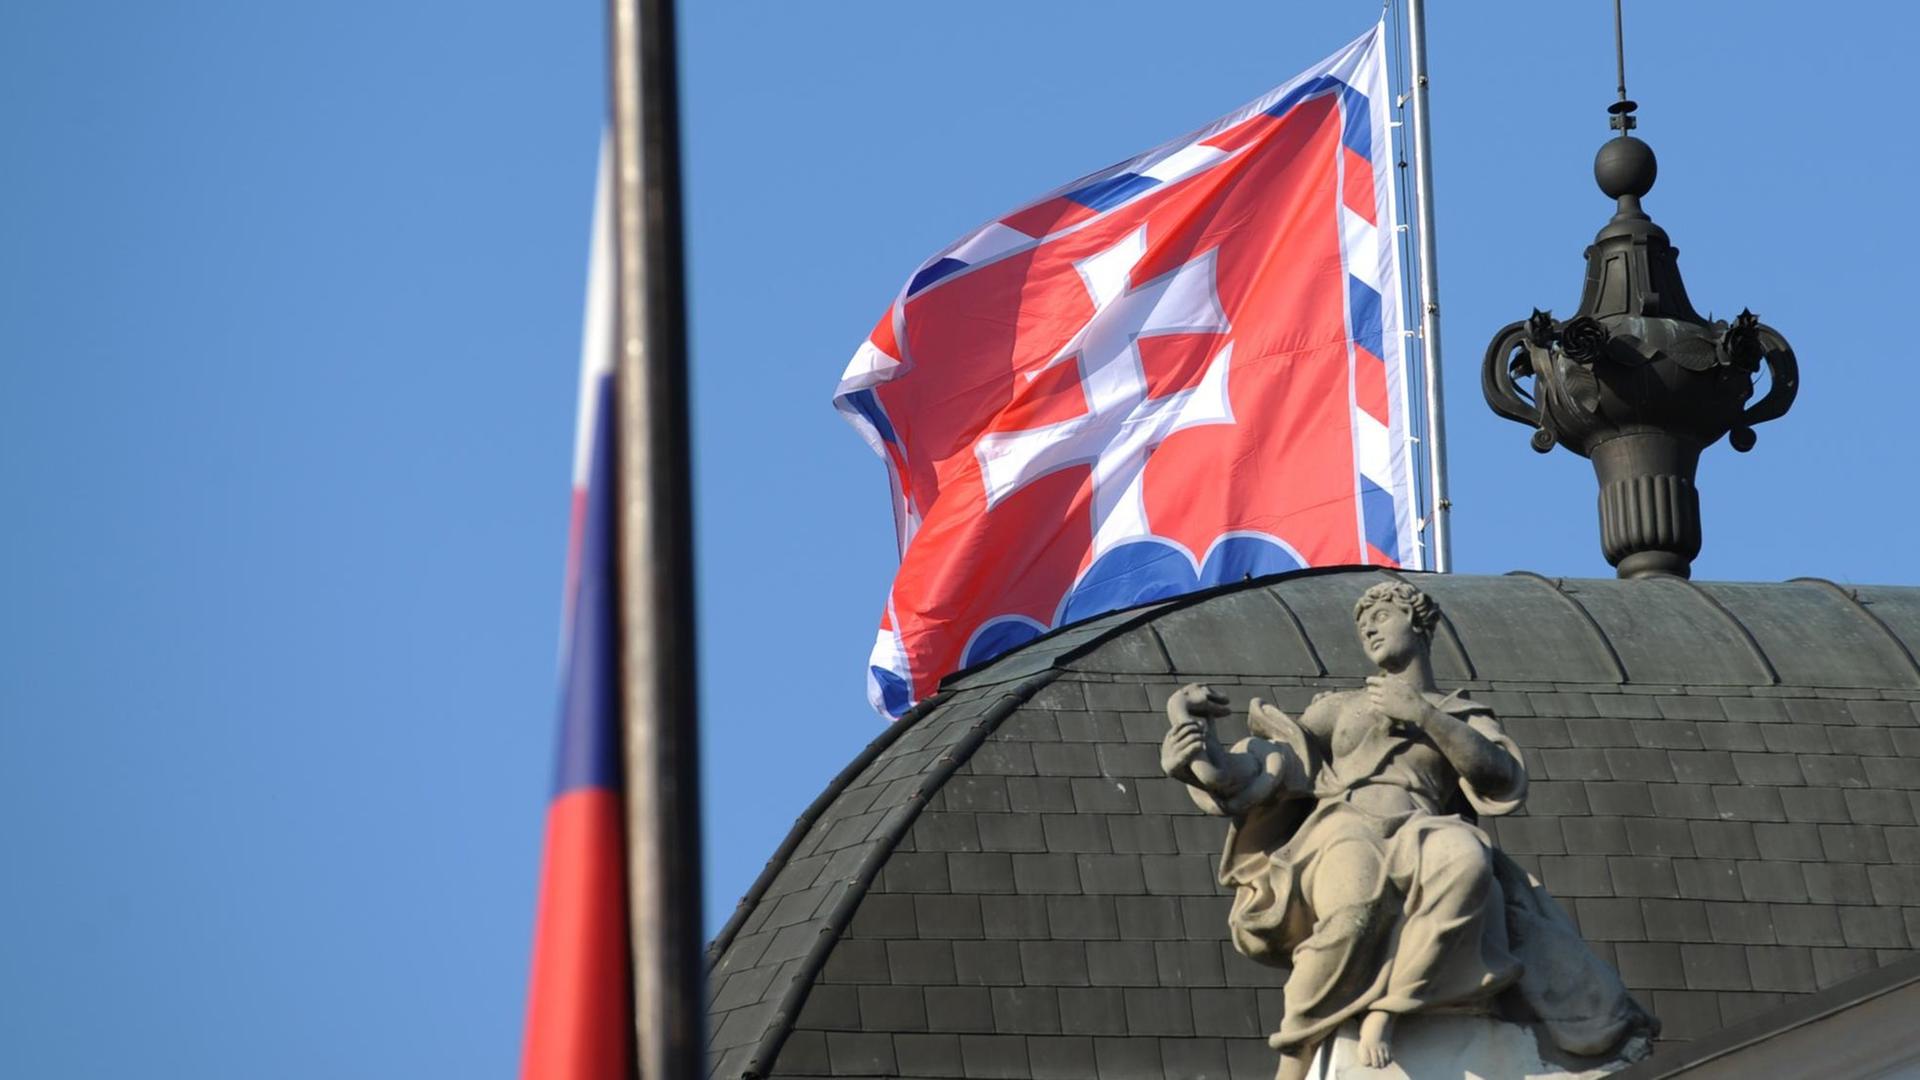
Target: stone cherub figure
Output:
[(1356, 862)]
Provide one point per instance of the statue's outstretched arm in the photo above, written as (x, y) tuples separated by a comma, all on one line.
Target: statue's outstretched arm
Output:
[(1223, 781)]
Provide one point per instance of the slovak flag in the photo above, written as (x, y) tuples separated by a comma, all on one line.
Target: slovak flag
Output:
[(1182, 370), (579, 994)]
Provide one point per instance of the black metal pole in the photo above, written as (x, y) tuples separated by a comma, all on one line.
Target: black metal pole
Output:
[(658, 693)]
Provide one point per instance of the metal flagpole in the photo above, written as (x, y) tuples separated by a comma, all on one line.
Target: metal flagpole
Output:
[(1441, 532), (658, 692)]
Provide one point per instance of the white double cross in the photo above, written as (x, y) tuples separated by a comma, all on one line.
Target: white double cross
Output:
[(1122, 425)]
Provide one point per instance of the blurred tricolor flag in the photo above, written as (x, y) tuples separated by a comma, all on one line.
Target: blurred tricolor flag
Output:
[(579, 998), (1182, 370)]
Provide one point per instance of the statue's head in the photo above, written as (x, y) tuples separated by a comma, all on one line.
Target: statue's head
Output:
[(1395, 622)]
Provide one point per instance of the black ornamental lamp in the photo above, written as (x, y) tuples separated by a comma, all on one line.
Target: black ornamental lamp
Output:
[(1636, 381)]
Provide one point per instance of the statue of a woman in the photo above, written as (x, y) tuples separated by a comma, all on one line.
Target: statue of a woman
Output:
[(1356, 861)]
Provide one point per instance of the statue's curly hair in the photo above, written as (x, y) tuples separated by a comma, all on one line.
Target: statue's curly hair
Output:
[(1419, 607)]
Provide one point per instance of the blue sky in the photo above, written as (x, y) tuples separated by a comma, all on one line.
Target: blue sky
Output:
[(290, 299)]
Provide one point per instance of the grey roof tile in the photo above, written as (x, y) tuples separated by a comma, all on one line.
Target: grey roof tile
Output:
[(1659, 836), (1707, 879), (1636, 875), (1033, 795), (1111, 874), (1071, 833), (913, 871), (1121, 963), (1640, 764), (1854, 843), (805, 1054), (1683, 800), (1054, 963), (1574, 764), (1806, 924), (1093, 727), (1780, 967), (927, 1055), (959, 1009), (1740, 923), (1021, 917), (1084, 918), (1790, 841), (1778, 882), (1873, 927), (1627, 705), (1687, 1014), (1129, 1059), (1814, 804), (1222, 1012), (1796, 739), (1759, 710), (1538, 835), (1838, 965), (1249, 1059), (1561, 704), (938, 831), (1142, 834), (1736, 1006), (1878, 807), (990, 963), (1010, 832), (1158, 1011), (1048, 872), (1538, 733), (1732, 736), (1188, 963), (948, 916), (1715, 967), (1703, 767), (994, 1057), (1769, 769), (1194, 1057), (1724, 839), (1893, 772), (1670, 734), (1625, 798), (1837, 883), (1098, 1010), (1749, 803), (1150, 918), (1026, 1010), (1834, 770), (980, 872), (920, 963), (1595, 836), (892, 1008), (1116, 696), (1569, 876), (967, 792), (1061, 1057), (1107, 795), (1610, 919), (1675, 920), (1556, 798), (1652, 965)]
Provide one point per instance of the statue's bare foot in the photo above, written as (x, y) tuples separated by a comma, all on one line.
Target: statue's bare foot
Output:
[(1376, 1040)]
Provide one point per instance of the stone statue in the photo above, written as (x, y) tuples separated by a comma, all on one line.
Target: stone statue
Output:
[(1355, 859)]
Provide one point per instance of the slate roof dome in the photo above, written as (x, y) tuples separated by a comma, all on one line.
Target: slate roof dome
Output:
[(1003, 884)]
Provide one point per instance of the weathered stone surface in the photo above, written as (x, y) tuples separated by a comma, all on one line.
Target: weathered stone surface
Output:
[(1463, 1047)]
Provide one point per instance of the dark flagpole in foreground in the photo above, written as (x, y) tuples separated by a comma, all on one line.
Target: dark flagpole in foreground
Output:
[(658, 691)]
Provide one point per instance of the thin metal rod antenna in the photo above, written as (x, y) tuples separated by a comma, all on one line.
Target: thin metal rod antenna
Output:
[(1441, 532), (1620, 50), (658, 695)]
